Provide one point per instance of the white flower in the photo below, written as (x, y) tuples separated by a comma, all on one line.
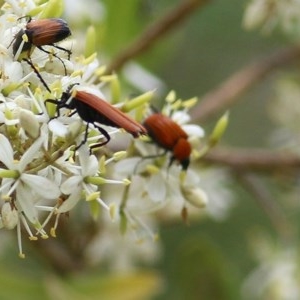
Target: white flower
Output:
[(29, 188), (276, 277), (84, 183), (271, 14), (75, 185), (215, 182), (160, 190), (123, 252)]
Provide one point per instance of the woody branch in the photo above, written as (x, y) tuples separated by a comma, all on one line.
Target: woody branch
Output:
[(154, 32)]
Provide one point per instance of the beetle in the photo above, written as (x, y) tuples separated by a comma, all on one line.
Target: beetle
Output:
[(92, 109), (167, 134), (43, 32)]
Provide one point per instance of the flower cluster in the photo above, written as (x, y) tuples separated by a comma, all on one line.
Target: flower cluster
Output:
[(270, 14), (156, 180), (277, 275), (43, 174)]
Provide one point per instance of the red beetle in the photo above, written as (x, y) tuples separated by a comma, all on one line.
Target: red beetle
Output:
[(93, 109), (43, 32), (170, 136)]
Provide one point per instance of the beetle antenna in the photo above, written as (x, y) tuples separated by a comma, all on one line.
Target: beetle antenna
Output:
[(63, 49), (24, 17)]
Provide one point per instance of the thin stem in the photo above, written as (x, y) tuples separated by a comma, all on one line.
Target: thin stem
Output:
[(228, 92), (125, 196), (257, 160)]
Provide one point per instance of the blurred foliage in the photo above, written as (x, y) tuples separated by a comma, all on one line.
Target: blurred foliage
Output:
[(132, 286), (208, 259)]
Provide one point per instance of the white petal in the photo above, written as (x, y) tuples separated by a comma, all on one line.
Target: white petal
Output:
[(2, 117), (58, 128), (6, 152), (89, 163), (181, 117), (24, 202), (71, 201), (127, 165), (156, 188), (6, 185), (194, 130), (68, 186), (192, 177), (14, 71), (29, 155), (41, 185)]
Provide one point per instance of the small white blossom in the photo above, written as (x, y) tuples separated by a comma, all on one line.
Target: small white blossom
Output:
[(27, 186), (277, 275), (75, 185), (271, 14)]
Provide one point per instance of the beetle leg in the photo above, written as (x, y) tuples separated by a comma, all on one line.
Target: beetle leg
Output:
[(28, 60), (50, 53), (106, 135), (69, 52)]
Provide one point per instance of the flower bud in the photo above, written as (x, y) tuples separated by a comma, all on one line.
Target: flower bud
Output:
[(112, 211), (256, 14), (92, 196), (171, 97), (151, 169), (219, 130), (195, 196), (53, 8), (190, 102), (137, 101), (9, 215), (90, 45), (119, 155)]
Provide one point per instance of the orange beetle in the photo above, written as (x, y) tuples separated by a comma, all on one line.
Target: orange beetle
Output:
[(93, 109), (170, 136), (41, 33)]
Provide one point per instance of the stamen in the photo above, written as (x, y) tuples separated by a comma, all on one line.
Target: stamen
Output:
[(102, 203), (26, 226), (19, 236)]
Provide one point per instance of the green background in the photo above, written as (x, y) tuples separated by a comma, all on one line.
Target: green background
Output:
[(208, 259)]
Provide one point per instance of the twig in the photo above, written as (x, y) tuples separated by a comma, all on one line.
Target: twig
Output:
[(255, 160), (154, 32), (267, 203), (228, 92)]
